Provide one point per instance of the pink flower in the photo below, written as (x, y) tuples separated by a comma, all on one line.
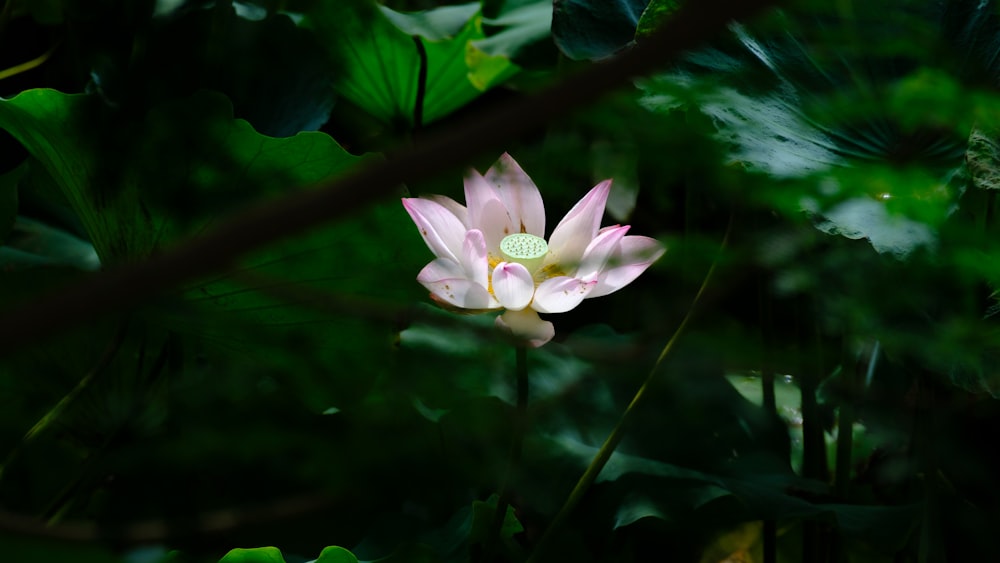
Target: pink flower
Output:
[(492, 255)]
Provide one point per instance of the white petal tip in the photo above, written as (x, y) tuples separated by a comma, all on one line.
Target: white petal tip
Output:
[(526, 326)]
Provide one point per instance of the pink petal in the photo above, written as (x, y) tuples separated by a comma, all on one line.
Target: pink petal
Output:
[(475, 261), (560, 294), (495, 224), (579, 227), (599, 251), (442, 231), (477, 193), (456, 208), (526, 324), (461, 293), (513, 285), (447, 282), (487, 211), (519, 195), (441, 269), (633, 256)]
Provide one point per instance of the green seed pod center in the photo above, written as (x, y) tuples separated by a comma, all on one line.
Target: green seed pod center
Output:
[(527, 250)]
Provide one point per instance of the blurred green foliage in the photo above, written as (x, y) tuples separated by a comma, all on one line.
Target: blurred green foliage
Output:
[(834, 397)]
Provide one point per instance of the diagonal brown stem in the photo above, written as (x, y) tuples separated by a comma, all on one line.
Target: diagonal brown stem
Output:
[(130, 285)]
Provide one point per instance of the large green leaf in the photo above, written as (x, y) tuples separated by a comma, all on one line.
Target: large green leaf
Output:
[(188, 162), (521, 26), (33, 244), (972, 30), (276, 74), (185, 163), (656, 12), (468, 526), (310, 312), (433, 25), (896, 210), (480, 363), (381, 63), (783, 106), (194, 162), (764, 495), (983, 156), (336, 554), (483, 513), (330, 554), (269, 310), (253, 555), (59, 131), (593, 29)]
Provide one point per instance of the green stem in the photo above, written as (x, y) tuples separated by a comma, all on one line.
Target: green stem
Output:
[(847, 413), (770, 403), (814, 466), (520, 426), (842, 473), (418, 103), (612, 441), (810, 373), (26, 66), (854, 385), (50, 417), (64, 502)]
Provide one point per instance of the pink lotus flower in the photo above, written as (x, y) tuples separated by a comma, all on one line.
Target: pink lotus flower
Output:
[(492, 255)]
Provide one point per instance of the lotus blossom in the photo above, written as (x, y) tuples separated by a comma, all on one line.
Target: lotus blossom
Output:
[(491, 254)]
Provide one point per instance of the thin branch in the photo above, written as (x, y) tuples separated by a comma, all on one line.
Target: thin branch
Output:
[(26, 66), (611, 443), (130, 285), (50, 417)]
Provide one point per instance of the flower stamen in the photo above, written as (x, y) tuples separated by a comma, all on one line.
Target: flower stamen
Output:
[(546, 272)]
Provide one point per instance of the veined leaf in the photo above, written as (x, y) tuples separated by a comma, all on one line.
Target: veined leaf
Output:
[(521, 26), (784, 106), (656, 12), (57, 130), (593, 29), (765, 495), (381, 62)]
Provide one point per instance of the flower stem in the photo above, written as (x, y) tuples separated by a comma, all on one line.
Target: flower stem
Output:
[(26, 66), (514, 459), (815, 534), (613, 439)]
